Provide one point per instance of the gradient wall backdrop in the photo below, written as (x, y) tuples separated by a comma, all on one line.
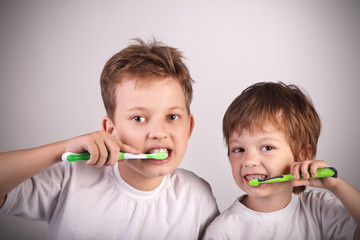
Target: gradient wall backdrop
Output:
[(52, 54)]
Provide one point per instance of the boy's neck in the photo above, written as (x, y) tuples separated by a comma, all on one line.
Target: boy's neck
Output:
[(139, 182), (267, 204)]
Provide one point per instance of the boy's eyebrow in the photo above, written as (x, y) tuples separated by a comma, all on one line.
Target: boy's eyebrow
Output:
[(237, 141), (234, 141), (135, 109), (270, 139), (139, 108), (177, 108)]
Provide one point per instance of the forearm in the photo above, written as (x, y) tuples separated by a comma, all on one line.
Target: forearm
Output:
[(350, 198), (17, 166)]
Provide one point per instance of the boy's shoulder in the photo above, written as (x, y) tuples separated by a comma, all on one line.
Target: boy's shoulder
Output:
[(317, 200), (187, 179), (182, 173), (310, 201), (314, 196), (192, 190)]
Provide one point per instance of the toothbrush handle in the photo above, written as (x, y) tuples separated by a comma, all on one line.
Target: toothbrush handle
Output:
[(73, 157), (320, 173), (323, 173)]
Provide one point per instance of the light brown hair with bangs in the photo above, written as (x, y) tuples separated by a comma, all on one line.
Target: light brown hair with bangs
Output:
[(285, 107), (144, 62)]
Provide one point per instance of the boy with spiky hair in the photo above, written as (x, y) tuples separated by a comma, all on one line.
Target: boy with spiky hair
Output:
[(147, 91)]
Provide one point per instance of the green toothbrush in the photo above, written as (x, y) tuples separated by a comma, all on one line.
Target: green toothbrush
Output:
[(73, 157), (320, 173)]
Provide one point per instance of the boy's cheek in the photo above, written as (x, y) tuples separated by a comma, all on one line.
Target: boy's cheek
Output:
[(128, 136), (236, 172), (234, 162)]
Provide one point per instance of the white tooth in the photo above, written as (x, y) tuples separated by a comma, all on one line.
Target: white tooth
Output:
[(260, 177), (158, 150)]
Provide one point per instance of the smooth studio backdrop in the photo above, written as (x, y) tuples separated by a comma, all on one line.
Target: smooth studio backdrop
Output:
[(52, 54)]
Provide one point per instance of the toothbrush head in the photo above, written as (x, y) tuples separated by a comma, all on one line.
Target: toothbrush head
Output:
[(254, 182), (283, 178), (158, 155)]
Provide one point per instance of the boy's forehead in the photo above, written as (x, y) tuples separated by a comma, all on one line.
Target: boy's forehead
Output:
[(140, 82), (162, 91), (266, 128), (147, 84)]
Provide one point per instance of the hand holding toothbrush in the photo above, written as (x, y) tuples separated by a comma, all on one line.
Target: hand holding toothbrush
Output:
[(344, 191), (298, 178), (309, 169), (103, 148)]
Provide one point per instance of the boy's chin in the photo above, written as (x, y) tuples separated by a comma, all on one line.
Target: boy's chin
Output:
[(156, 171), (163, 171)]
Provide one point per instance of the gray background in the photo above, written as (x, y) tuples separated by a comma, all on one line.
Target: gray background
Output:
[(52, 54)]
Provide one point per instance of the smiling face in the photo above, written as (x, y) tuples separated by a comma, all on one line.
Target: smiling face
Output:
[(261, 154), (151, 117)]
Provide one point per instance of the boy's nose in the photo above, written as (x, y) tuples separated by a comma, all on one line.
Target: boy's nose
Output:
[(157, 131), (251, 160)]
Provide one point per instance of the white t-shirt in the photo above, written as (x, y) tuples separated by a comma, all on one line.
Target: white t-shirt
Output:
[(82, 202), (310, 215)]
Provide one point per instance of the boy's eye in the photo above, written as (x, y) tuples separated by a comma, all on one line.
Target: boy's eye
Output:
[(173, 117), (238, 150), (139, 119), (267, 148)]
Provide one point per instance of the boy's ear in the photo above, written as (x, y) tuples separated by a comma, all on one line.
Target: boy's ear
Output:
[(108, 126), (192, 124), (305, 154)]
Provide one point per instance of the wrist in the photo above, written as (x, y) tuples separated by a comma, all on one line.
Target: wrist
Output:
[(54, 151), (335, 186)]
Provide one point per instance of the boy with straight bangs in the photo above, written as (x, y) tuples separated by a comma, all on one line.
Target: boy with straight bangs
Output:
[(147, 91), (272, 129)]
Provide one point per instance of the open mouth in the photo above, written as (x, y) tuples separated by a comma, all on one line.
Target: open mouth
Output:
[(156, 150), (256, 176)]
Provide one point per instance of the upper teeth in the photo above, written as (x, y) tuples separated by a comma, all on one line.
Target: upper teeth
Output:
[(159, 150), (257, 176)]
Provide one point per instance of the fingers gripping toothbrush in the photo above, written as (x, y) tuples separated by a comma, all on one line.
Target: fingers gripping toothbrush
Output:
[(73, 157), (320, 173)]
